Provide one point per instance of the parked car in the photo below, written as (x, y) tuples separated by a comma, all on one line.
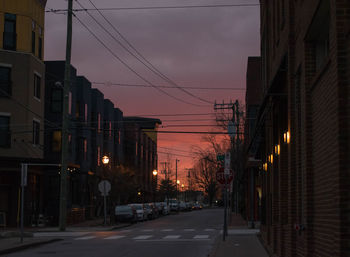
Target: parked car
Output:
[(189, 206), (125, 213), (197, 206), (174, 205), (149, 211), (182, 206), (166, 209), (140, 211), (160, 207)]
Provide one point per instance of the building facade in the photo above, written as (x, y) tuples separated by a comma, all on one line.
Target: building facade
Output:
[(22, 75), (303, 127)]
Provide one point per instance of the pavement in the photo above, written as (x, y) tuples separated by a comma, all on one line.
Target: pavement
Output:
[(10, 238), (240, 242)]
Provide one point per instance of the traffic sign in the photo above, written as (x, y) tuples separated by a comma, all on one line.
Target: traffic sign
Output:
[(220, 176), (220, 157), (104, 186)]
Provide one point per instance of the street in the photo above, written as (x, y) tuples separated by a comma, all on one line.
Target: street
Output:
[(189, 234)]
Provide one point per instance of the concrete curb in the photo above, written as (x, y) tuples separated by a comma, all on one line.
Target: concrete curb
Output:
[(27, 246), (216, 246)]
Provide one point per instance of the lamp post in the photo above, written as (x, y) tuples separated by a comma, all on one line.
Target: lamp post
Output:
[(155, 176)]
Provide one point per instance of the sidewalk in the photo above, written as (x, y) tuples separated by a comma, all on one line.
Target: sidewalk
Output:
[(10, 238), (240, 242)]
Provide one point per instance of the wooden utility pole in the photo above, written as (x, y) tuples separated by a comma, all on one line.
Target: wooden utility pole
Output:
[(65, 122)]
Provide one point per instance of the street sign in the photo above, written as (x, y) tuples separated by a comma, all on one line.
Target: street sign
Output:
[(104, 186), (227, 163), (220, 176), (220, 157), (24, 172)]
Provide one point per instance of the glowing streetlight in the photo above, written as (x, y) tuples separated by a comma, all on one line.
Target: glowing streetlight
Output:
[(105, 160), (155, 172), (178, 182)]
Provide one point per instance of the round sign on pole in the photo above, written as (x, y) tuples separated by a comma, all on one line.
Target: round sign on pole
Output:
[(221, 176), (104, 187)]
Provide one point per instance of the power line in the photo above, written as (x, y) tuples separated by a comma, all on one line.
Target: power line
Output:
[(191, 88), (155, 7), (174, 114), (129, 67), (144, 60), (181, 155)]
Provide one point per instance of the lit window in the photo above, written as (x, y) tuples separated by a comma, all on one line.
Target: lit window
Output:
[(86, 113), (99, 122), (98, 156), (56, 141), (85, 149), (110, 129)]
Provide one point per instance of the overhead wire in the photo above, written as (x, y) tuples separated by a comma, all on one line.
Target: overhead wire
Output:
[(191, 88), (129, 67), (144, 60), (156, 7)]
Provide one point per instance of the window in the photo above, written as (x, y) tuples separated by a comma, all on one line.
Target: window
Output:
[(33, 42), (98, 156), (5, 81), (56, 141), (318, 34), (56, 100), (86, 113), (70, 103), (37, 85), (77, 110), (85, 149), (40, 48), (5, 134), (9, 35), (36, 132), (99, 122)]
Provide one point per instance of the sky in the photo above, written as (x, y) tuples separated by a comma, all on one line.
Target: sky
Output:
[(192, 47)]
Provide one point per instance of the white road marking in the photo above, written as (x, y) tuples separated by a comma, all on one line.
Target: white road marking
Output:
[(209, 229), (143, 237), (172, 237), (148, 230), (167, 230), (85, 238), (126, 231), (114, 237), (201, 237), (189, 229), (58, 234)]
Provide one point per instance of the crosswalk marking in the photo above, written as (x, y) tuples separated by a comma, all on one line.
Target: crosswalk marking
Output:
[(57, 234), (201, 237), (189, 229), (114, 237), (143, 237), (172, 237), (209, 229), (147, 230), (126, 231), (85, 238), (167, 230)]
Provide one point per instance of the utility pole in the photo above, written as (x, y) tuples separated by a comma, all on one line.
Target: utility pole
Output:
[(65, 122), (176, 160), (237, 154)]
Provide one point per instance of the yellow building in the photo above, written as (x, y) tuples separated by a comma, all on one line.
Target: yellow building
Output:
[(22, 26), (22, 80)]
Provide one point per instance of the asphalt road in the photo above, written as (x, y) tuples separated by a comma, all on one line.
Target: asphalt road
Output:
[(189, 234)]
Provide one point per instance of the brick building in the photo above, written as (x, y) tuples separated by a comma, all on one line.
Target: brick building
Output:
[(302, 131), (252, 166)]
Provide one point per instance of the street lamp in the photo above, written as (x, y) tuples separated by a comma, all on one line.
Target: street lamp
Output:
[(105, 160), (155, 172), (178, 182)]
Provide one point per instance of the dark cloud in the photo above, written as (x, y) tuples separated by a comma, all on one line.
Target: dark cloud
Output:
[(194, 47)]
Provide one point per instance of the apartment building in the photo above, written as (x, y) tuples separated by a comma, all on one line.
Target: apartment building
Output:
[(22, 75)]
